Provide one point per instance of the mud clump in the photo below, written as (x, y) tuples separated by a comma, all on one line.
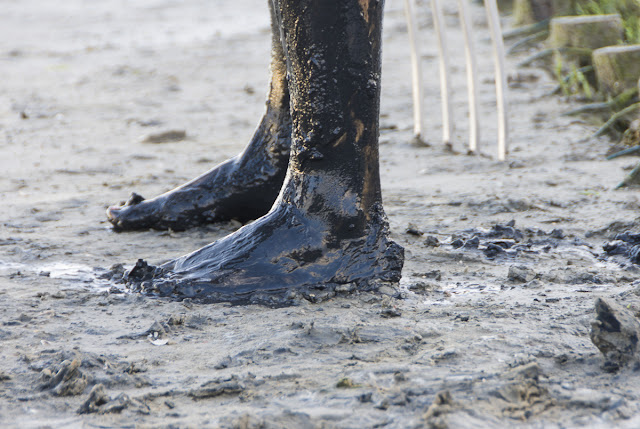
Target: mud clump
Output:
[(625, 245), (520, 274), (505, 240), (221, 387), (97, 398), (99, 402), (169, 136), (615, 332), (442, 405), (146, 278), (67, 373), (497, 241), (115, 274), (141, 272), (524, 397), (64, 379), (431, 241)]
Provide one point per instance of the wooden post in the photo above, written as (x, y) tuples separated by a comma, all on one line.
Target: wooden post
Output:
[(445, 85), (416, 72), (501, 78), (472, 75)]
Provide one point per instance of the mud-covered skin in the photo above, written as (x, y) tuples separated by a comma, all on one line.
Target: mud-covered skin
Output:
[(279, 258), (242, 188), (327, 226)]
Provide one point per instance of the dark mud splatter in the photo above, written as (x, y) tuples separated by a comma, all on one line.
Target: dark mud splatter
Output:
[(505, 241), (624, 247), (616, 333)]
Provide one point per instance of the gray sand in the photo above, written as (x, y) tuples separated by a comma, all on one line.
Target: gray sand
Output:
[(507, 338)]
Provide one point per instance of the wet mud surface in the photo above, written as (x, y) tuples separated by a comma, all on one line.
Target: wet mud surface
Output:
[(519, 298)]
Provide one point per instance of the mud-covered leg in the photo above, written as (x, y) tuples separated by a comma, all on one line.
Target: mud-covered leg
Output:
[(243, 187), (327, 226)]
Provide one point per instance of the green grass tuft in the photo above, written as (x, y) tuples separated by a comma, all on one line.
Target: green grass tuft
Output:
[(629, 10)]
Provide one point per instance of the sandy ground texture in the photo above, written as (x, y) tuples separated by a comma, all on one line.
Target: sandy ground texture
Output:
[(490, 324)]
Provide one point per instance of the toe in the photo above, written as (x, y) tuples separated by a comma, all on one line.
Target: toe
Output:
[(134, 199), (113, 212)]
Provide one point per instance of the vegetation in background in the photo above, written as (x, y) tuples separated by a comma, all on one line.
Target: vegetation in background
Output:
[(629, 10), (574, 83), (617, 112), (577, 81)]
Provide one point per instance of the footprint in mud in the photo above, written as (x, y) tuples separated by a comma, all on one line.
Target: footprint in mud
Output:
[(70, 373)]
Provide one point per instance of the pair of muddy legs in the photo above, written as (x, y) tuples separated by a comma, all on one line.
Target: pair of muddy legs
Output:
[(310, 174)]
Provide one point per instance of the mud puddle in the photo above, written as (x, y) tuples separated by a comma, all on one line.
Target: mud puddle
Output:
[(74, 275)]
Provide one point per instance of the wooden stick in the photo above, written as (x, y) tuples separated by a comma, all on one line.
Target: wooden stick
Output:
[(416, 72), (445, 86), (472, 75), (501, 77)]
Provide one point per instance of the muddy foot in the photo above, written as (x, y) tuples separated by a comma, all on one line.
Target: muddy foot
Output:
[(229, 191), (275, 260), (242, 188)]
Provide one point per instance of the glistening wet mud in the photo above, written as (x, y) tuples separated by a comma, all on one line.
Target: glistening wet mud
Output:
[(275, 261)]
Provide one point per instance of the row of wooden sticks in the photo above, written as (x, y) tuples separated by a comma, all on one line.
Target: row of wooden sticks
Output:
[(472, 76)]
